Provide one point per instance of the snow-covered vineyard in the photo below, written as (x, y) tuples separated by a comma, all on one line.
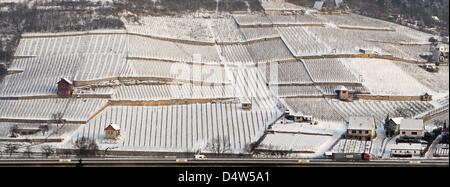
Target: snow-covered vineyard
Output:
[(177, 84)]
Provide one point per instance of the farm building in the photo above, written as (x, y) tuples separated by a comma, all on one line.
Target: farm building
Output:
[(112, 131), (392, 126), (412, 128), (362, 128), (407, 150), (65, 88)]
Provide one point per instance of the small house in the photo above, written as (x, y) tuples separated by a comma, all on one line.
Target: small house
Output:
[(65, 88), (412, 128), (342, 93), (299, 117), (426, 97), (112, 131), (246, 104), (392, 126), (407, 150), (362, 128)]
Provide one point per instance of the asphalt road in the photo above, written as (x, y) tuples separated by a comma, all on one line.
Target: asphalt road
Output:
[(121, 162)]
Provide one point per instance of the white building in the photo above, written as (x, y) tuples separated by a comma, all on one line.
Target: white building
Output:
[(407, 150), (362, 128), (412, 128)]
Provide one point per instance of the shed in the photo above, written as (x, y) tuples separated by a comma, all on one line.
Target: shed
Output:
[(65, 88), (342, 92), (246, 104), (112, 131), (407, 150)]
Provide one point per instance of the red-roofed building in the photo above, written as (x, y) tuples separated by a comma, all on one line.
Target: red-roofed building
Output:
[(65, 88), (112, 131)]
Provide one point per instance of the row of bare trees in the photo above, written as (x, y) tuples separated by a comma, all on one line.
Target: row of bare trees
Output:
[(84, 147)]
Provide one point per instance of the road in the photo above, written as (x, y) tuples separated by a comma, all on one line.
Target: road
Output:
[(121, 162)]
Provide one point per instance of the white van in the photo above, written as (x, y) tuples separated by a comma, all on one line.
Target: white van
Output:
[(199, 157)]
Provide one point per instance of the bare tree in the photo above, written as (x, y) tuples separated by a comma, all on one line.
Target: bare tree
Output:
[(58, 117), (219, 145), (44, 128), (249, 147), (47, 150), (28, 152), (13, 131), (11, 148), (86, 147)]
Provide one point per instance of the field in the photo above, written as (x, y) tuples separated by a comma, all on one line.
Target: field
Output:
[(301, 42), (145, 47), (226, 30), (252, 20), (319, 108), (352, 146), (180, 128), (167, 92), (259, 33), (295, 91), (44, 109), (293, 142), (380, 109), (269, 51), (184, 28), (289, 72), (178, 71), (73, 43), (383, 77), (435, 81), (236, 54), (329, 70)]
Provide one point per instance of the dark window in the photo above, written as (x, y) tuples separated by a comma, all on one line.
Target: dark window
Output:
[(403, 132), (414, 133), (367, 132), (353, 131)]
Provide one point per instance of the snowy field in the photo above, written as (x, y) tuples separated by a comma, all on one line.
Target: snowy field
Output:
[(181, 127), (383, 77), (438, 82), (352, 146), (44, 109), (441, 150), (319, 108), (329, 70), (288, 72), (168, 92), (379, 109), (304, 140), (295, 91)]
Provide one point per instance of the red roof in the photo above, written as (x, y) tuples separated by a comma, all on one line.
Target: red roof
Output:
[(112, 127)]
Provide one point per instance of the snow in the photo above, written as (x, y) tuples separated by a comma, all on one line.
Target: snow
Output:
[(169, 120), (181, 28), (168, 92), (288, 72), (269, 51), (329, 70), (319, 108), (315, 139), (383, 77)]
